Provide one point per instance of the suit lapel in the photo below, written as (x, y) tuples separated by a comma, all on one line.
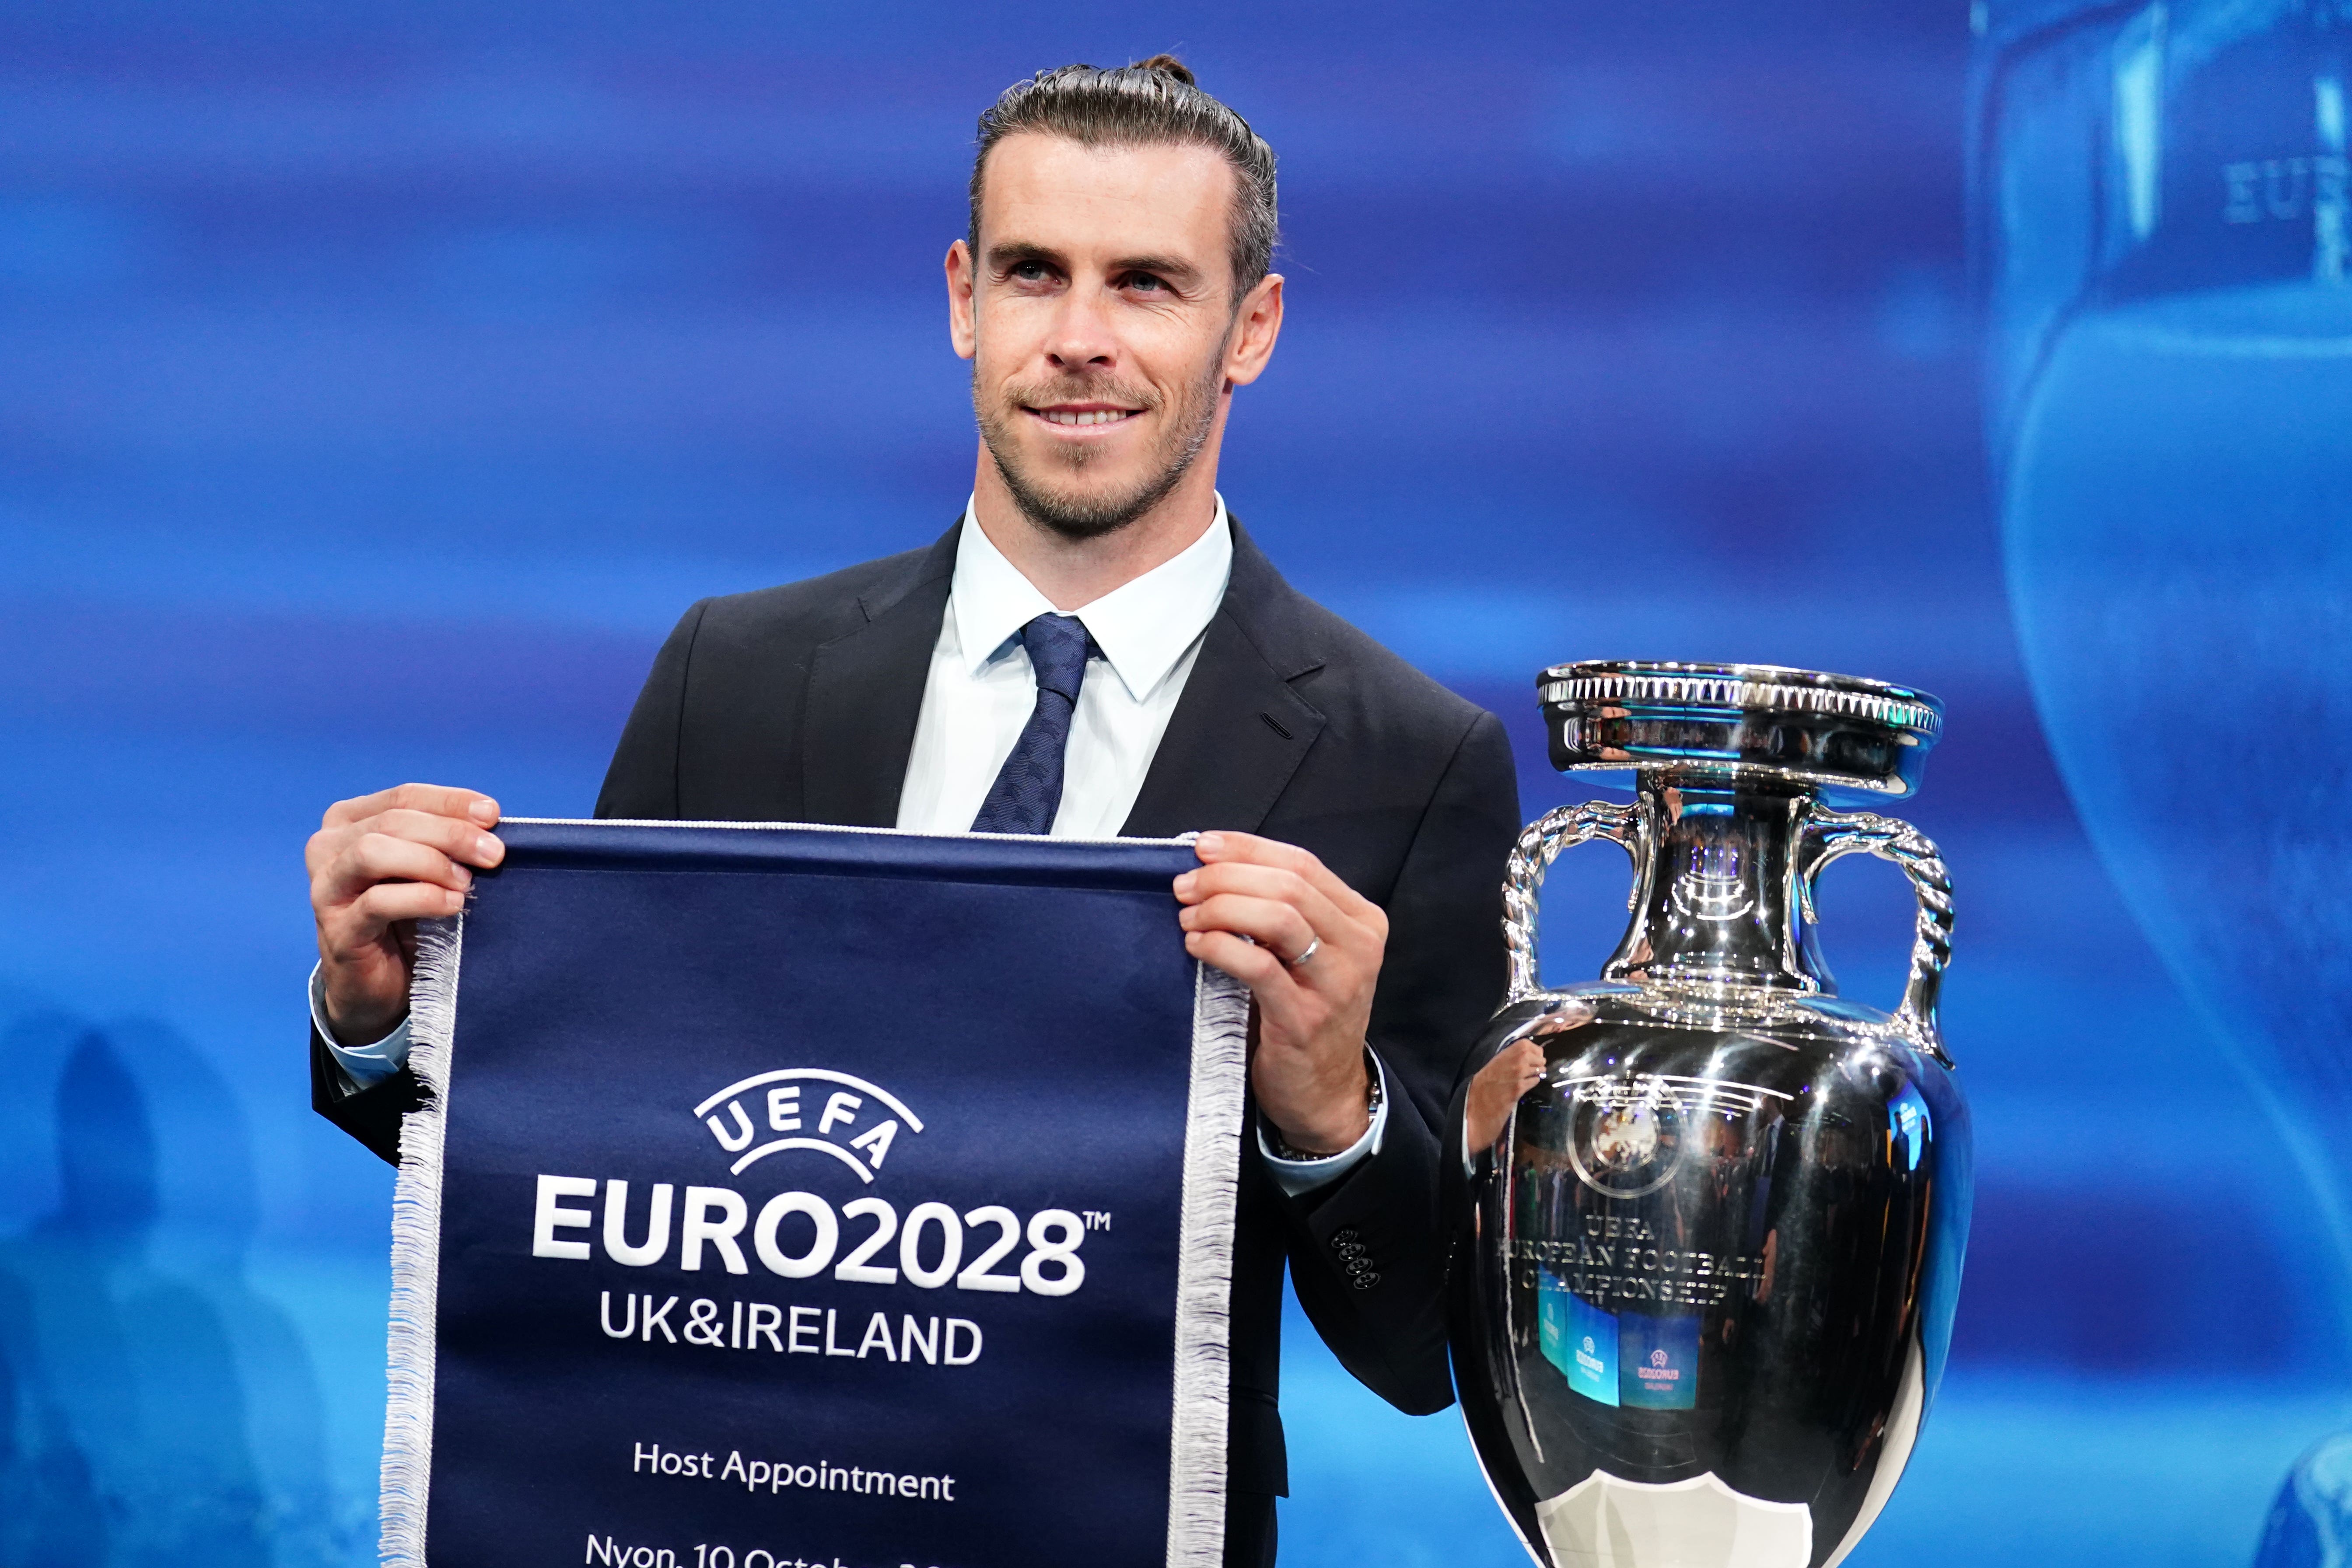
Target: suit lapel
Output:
[(864, 694), (1240, 729)]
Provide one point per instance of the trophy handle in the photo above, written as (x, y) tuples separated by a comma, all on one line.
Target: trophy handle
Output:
[(1540, 843), (1827, 836)]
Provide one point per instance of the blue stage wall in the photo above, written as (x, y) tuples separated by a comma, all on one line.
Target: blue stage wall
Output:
[(378, 381)]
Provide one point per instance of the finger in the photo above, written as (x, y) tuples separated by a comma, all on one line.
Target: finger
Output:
[(1248, 848), (1272, 925), (375, 858), (439, 800), (1284, 1010), (1253, 966), (453, 837), (1328, 920), (380, 905), (458, 840)]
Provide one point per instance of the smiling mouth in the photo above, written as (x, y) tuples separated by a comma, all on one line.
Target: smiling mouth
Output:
[(1071, 417)]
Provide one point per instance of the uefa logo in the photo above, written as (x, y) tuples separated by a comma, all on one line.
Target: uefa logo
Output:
[(1625, 1139), (855, 1122)]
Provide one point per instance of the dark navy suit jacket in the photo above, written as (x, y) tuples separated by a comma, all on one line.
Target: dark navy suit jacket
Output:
[(799, 704)]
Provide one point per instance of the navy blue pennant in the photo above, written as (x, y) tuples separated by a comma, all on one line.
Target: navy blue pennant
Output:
[(809, 1195)]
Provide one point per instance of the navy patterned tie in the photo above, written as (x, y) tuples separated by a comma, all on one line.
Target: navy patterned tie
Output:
[(1028, 789)]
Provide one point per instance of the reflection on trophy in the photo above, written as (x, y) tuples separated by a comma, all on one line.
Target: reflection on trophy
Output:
[(1716, 1246)]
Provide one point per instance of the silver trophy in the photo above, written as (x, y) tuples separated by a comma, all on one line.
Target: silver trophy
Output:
[(1715, 1248)]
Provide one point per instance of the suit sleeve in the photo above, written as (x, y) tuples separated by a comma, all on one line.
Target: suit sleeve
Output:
[(373, 1114), (1368, 1254), (642, 782)]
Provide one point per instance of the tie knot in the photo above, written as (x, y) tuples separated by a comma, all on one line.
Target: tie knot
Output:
[(1058, 649)]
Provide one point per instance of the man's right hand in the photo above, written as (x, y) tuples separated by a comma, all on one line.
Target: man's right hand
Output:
[(378, 865)]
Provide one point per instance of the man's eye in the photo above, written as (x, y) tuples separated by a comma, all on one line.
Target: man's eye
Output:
[(1032, 271), (1146, 283)]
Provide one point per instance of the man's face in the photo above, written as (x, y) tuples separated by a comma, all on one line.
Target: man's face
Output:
[(1099, 320)]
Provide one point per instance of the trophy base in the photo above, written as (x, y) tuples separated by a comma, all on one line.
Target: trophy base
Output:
[(1604, 1522)]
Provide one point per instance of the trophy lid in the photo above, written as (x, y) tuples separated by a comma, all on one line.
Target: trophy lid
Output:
[(1748, 720)]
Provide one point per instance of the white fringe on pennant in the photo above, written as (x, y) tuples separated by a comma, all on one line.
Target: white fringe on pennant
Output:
[(1205, 1272), (407, 1476)]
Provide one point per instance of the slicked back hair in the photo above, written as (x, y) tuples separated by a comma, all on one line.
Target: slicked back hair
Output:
[(1155, 103)]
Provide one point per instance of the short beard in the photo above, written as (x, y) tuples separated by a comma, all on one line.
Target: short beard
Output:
[(1079, 517)]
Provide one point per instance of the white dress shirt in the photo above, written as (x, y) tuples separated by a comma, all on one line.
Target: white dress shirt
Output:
[(977, 697), (981, 689)]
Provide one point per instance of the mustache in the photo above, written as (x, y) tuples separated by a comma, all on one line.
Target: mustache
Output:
[(1080, 389)]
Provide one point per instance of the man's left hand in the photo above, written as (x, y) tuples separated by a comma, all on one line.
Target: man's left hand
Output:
[(1308, 947)]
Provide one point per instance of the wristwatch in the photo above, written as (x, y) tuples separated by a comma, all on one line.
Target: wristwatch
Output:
[(1281, 1150)]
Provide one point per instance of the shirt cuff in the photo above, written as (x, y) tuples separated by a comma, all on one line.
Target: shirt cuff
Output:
[(365, 1065), (1299, 1177)]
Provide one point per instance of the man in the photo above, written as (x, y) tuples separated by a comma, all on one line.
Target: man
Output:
[(1095, 648)]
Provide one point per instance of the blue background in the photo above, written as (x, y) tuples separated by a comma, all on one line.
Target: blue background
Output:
[(377, 382)]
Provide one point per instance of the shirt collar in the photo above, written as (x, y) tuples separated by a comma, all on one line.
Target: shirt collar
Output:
[(1142, 626)]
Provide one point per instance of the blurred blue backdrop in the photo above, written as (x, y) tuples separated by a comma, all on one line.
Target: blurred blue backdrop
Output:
[(377, 382)]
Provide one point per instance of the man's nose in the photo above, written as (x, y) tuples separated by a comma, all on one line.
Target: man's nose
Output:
[(1081, 337)]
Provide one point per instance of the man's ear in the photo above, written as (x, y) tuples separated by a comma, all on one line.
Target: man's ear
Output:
[(960, 281), (1256, 326)]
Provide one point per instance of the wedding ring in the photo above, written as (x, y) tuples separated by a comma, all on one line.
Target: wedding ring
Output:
[(1314, 945)]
